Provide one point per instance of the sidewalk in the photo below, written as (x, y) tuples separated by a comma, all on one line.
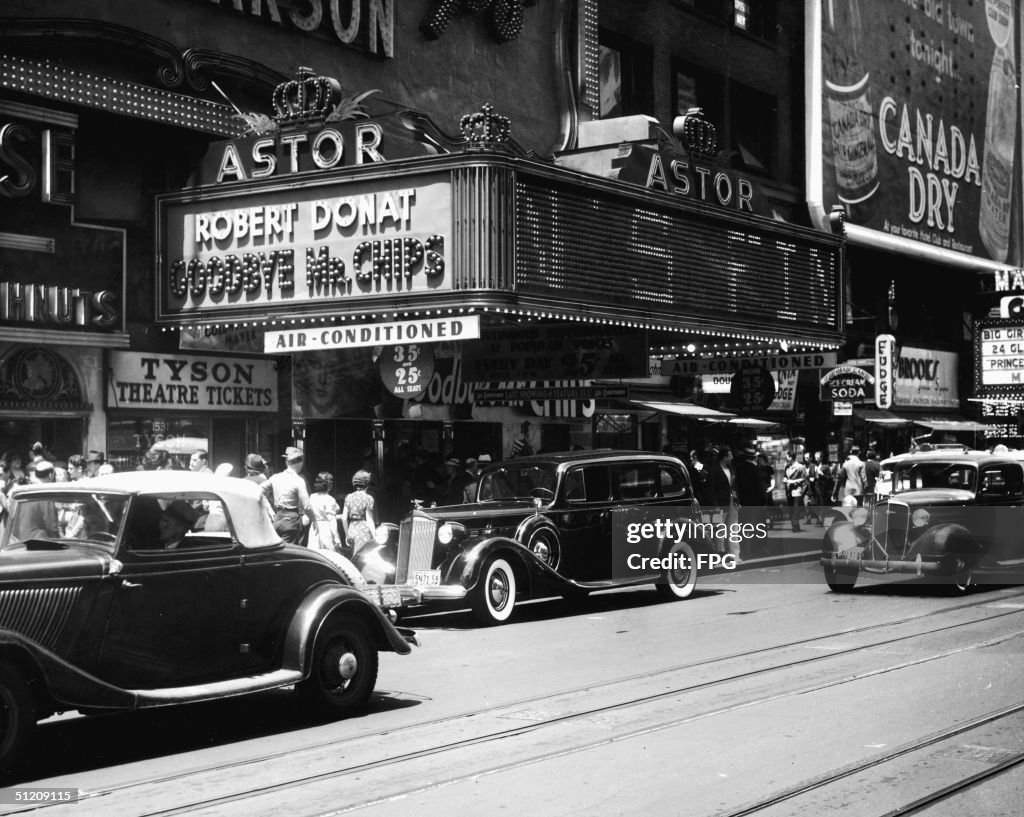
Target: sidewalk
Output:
[(783, 546)]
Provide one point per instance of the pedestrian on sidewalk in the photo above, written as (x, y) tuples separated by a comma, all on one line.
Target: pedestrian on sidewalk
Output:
[(796, 486), (851, 478), (750, 496), (289, 497), (723, 495), (871, 470)]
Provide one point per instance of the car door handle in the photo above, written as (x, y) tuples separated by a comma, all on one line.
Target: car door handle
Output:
[(130, 585)]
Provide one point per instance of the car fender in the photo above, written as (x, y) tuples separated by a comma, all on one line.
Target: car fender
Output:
[(844, 536), (950, 539), (467, 566), (323, 602), (67, 686)]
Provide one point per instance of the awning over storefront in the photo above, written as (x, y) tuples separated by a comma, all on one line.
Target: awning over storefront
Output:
[(751, 422), (688, 410), (882, 417), (951, 425)]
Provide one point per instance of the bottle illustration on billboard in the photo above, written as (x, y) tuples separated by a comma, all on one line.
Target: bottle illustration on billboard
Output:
[(997, 176), (850, 119)]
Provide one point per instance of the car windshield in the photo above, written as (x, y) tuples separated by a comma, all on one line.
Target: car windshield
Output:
[(913, 476), (94, 517), (518, 482)]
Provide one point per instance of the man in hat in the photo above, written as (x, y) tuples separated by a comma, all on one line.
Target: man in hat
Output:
[(176, 520), (289, 497), (93, 461), (255, 469), (455, 487), (749, 490)]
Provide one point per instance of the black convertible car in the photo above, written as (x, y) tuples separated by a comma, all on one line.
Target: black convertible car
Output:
[(148, 589)]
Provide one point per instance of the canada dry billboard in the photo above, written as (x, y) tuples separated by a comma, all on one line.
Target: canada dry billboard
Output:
[(921, 120)]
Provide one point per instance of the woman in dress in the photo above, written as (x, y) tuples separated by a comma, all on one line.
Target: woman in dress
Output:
[(358, 516), (326, 509)]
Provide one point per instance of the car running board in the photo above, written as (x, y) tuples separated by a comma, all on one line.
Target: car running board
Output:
[(145, 698)]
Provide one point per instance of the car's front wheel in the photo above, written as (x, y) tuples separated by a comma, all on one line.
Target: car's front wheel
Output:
[(840, 580), (495, 595), (344, 668), (17, 718), (962, 581), (680, 578)]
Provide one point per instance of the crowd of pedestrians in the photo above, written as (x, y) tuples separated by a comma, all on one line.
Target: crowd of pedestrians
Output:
[(739, 485)]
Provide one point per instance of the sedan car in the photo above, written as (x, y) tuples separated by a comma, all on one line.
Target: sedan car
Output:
[(147, 589), (955, 516), (542, 525)]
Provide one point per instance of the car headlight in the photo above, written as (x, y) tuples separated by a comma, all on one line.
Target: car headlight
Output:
[(860, 517), (380, 536), (919, 518), (445, 534)]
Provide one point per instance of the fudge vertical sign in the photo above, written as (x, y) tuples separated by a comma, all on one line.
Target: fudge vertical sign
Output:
[(920, 119), (252, 250)]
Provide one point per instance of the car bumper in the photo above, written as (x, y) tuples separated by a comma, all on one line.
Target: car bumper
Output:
[(916, 567), (391, 596)]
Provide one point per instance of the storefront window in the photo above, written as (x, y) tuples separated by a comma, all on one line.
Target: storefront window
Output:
[(129, 438), (615, 431)]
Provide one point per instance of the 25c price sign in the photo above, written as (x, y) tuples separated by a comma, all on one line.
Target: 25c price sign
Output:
[(406, 369)]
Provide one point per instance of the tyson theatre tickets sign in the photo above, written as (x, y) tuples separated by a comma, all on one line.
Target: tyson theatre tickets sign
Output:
[(920, 120)]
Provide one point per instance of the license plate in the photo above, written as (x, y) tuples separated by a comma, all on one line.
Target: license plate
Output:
[(426, 578), (852, 553)]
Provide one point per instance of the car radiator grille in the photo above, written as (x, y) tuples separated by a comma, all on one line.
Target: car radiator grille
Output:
[(40, 614), (415, 546), (889, 526)]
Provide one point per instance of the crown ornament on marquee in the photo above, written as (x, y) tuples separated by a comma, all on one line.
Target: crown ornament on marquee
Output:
[(308, 99), (485, 130), (696, 133)]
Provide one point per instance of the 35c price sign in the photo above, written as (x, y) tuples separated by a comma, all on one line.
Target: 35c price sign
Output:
[(752, 389), (406, 369)]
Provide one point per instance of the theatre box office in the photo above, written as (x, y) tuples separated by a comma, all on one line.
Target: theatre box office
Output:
[(181, 403)]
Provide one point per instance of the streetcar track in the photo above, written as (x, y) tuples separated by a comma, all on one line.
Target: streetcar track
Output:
[(519, 703), (536, 725), (548, 756), (877, 760), (952, 789)]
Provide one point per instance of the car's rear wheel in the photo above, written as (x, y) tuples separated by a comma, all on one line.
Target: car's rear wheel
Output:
[(17, 718), (679, 580), (840, 580), (344, 668), (494, 597)]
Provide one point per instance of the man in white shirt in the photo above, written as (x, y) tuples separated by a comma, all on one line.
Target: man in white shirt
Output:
[(289, 497)]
